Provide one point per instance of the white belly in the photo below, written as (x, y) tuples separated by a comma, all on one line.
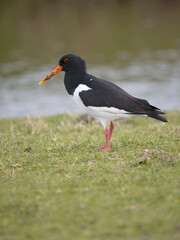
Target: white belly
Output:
[(76, 96), (103, 114)]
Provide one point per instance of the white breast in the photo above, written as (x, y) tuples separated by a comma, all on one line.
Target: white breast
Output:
[(76, 97), (103, 114)]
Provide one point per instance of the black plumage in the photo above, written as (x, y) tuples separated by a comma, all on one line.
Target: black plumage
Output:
[(102, 99), (107, 94)]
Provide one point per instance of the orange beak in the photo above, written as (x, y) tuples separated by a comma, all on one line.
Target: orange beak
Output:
[(50, 75)]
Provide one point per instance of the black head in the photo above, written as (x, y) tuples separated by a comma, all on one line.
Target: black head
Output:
[(72, 63)]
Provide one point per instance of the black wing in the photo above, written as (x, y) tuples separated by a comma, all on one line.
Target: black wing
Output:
[(107, 94)]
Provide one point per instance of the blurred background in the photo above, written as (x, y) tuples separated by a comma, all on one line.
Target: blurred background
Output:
[(133, 43)]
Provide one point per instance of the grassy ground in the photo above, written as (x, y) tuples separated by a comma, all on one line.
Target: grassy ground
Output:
[(55, 184)]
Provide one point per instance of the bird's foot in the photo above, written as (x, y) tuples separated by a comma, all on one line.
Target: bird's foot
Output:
[(104, 148)]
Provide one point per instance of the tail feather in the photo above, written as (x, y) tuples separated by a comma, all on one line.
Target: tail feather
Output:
[(153, 111), (156, 115), (157, 110)]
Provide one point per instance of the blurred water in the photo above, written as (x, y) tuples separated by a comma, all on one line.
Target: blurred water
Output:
[(148, 76), (135, 44)]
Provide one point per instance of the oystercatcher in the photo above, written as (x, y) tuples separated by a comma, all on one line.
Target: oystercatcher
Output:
[(102, 99)]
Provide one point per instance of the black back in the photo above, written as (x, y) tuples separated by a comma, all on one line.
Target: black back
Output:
[(107, 94), (103, 93)]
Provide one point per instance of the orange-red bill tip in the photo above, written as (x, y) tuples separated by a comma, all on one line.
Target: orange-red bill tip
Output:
[(50, 75)]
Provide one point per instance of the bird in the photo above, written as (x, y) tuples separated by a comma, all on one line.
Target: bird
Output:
[(101, 99)]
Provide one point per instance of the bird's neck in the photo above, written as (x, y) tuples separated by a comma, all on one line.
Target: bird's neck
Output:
[(73, 79)]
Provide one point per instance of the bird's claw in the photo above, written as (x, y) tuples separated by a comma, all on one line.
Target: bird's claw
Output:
[(104, 148)]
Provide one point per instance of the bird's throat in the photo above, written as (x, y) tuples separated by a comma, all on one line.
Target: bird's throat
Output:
[(72, 80)]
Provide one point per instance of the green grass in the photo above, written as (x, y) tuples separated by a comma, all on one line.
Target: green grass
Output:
[(64, 188)]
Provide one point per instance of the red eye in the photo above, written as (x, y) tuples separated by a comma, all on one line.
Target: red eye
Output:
[(66, 60)]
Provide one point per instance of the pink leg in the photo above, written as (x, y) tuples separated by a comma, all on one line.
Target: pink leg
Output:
[(106, 146), (108, 134), (111, 128)]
